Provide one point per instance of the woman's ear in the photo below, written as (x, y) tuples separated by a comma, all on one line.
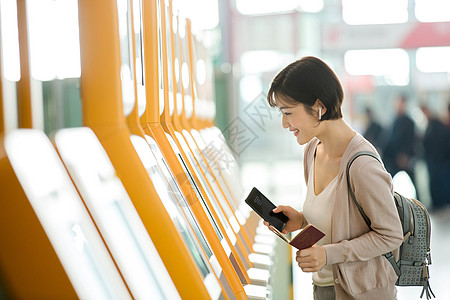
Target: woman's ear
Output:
[(320, 108)]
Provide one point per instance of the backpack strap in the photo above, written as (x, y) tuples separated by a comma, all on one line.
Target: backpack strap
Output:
[(389, 256), (350, 187)]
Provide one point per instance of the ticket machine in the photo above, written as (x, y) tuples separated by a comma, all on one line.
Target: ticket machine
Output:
[(107, 91), (49, 248), (196, 204), (114, 214)]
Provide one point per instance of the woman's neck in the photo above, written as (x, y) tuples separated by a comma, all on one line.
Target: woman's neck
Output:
[(335, 137)]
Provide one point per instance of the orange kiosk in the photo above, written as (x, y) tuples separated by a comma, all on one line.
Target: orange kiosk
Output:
[(178, 142), (202, 168), (211, 143), (114, 214), (214, 170), (159, 173), (190, 130), (107, 91), (184, 140), (195, 204), (49, 247)]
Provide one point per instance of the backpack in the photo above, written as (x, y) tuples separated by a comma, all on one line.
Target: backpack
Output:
[(414, 257)]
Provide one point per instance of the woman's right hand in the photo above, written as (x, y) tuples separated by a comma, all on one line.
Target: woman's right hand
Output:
[(295, 218)]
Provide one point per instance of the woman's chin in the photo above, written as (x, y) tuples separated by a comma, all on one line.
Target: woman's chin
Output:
[(301, 140)]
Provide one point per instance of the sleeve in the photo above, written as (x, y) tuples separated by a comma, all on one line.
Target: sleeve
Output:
[(372, 186)]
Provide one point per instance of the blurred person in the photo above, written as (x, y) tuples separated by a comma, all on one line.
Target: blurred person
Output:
[(448, 116), (347, 263), (399, 152), (436, 146), (374, 131)]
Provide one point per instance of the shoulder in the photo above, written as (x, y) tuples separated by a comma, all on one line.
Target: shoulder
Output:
[(362, 163), (368, 179)]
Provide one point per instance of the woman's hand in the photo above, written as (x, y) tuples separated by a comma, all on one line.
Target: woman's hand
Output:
[(295, 218), (312, 259)]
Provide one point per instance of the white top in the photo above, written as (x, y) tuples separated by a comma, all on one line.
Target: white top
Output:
[(317, 211)]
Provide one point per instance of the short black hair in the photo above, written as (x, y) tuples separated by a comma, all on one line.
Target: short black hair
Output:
[(306, 80)]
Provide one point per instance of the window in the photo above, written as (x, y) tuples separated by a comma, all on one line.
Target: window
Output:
[(432, 10), (203, 13), (259, 61), (359, 12), (54, 39), (433, 59), (250, 87), (310, 6), (10, 40), (391, 64), (257, 7)]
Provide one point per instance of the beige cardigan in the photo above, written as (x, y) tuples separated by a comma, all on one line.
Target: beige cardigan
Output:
[(359, 269)]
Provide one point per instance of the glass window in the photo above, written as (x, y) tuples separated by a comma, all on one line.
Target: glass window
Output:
[(250, 86), (358, 12), (137, 20), (254, 7), (55, 64), (432, 10), (10, 40), (10, 64), (392, 64), (311, 6), (273, 61), (203, 13), (126, 53), (433, 59), (54, 39)]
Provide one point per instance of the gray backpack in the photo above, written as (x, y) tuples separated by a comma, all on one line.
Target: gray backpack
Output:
[(414, 256)]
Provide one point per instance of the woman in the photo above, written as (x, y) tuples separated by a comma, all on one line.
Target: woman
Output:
[(347, 263)]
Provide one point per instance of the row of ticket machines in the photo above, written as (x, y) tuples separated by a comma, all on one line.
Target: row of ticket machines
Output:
[(144, 200)]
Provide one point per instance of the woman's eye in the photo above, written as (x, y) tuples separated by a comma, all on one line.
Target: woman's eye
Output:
[(286, 113)]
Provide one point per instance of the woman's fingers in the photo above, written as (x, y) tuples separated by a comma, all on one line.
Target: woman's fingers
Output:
[(277, 209), (311, 259), (280, 208)]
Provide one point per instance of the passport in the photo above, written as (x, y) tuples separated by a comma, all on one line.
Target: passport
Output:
[(307, 237)]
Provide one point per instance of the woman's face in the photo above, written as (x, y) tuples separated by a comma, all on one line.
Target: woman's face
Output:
[(301, 123)]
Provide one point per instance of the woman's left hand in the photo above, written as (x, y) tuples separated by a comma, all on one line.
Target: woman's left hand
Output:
[(312, 259)]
